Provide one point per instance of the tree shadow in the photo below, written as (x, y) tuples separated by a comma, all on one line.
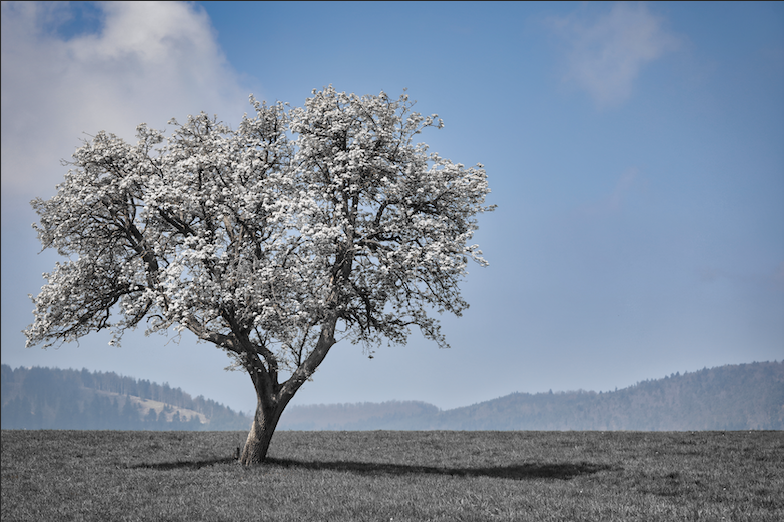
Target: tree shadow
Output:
[(527, 471), (181, 464)]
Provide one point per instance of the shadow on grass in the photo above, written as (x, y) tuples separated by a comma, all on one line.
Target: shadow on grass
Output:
[(514, 471), (182, 464)]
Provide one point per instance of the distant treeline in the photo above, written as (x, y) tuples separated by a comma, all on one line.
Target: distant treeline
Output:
[(405, 415), (51, 398), (735, 397)]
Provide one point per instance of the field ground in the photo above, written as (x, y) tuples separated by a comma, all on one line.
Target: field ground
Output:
[(394, 476)]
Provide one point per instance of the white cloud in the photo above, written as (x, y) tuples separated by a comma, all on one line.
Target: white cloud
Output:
[(148, 62), (605, 55)]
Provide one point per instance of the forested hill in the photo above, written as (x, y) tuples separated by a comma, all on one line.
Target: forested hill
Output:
[(51, 398), (736, 397)]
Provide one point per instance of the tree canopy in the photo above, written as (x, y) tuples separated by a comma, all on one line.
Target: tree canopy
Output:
[(303, 226)]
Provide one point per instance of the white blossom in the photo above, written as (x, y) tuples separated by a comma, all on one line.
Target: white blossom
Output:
[(268, 240)]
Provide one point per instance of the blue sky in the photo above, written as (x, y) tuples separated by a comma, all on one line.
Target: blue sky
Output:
[(634, 152)]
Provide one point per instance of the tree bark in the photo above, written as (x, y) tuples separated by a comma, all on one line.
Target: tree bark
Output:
[(272, 399), (264, 423)]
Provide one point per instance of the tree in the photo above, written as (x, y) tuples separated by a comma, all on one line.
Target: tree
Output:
[(273, 241)]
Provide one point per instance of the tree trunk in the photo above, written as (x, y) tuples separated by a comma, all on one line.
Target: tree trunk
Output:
[(264, 423), (272, 399)]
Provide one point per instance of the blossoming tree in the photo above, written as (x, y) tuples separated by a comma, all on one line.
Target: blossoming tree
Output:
[(301, 227)]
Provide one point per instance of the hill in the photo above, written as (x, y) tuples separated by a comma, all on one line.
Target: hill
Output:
[(358, 416), (733, 397), (52, 398)]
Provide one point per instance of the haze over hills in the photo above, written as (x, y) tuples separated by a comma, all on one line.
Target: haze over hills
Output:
[(51, 398), (733, 397)]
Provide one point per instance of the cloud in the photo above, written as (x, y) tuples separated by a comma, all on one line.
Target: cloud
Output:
[(605, 55), (147, 62)]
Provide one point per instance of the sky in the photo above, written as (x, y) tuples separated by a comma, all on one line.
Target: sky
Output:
[(635, 152)]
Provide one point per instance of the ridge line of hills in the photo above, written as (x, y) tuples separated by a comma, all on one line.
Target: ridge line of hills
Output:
[(53, 398), (731, 397)]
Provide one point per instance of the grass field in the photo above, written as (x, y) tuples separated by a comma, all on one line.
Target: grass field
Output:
[(394, 476)]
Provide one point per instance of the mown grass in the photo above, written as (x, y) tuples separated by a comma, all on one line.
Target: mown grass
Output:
[(394, 476)]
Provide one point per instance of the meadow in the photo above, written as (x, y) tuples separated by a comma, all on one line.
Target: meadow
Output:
[(394, 476)]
